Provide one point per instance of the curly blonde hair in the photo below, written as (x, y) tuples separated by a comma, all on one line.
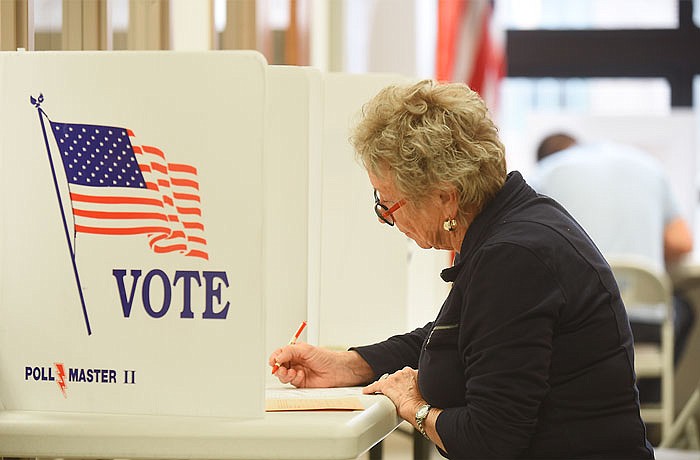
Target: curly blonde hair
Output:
[(429, 136)]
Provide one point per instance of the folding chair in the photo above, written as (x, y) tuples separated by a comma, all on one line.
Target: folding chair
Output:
[(684, 431), (648, 298)]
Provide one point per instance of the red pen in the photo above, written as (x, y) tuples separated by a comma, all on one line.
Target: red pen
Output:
[(291, 342)]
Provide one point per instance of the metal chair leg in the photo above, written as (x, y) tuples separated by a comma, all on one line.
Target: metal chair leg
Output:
[(684, 423), (421, 446), (376, 451)]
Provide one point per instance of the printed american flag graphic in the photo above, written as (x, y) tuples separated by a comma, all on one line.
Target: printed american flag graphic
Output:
[(118, 187)]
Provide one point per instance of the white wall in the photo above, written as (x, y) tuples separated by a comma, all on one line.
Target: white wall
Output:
[(390, 36)]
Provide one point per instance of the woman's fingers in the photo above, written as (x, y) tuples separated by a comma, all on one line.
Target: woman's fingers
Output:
[(298, 377), (281, 355), (274, 357), (371, 388), (375, 387)]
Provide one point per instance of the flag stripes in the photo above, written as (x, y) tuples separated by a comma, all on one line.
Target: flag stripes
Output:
[(119, 187)]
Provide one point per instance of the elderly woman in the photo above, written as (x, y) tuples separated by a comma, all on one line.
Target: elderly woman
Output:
[(531, 353)]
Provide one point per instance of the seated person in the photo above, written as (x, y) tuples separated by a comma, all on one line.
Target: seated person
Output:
[(531, 354)]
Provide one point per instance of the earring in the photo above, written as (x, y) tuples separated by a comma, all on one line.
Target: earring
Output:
[(449, 225)]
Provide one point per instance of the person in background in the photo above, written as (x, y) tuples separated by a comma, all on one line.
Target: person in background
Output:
[(530, 355), (623, 199)]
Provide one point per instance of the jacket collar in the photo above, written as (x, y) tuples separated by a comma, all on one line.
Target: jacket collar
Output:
[(514, 191)]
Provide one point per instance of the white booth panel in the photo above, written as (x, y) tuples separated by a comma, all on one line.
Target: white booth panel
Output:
[(363, 263), (131, 234), (293, 118)]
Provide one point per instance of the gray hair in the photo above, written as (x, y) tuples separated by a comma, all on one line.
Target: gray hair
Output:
[(429, 136)]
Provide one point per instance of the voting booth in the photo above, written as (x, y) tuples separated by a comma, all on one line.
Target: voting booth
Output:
[(165, 217), (131, 233), (349, 265), (292, 193), (363, 262)]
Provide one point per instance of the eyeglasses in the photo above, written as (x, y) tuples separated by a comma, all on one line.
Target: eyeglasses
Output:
[(384, 213)]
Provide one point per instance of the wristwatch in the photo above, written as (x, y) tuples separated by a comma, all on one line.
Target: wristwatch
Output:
[(421, 415)]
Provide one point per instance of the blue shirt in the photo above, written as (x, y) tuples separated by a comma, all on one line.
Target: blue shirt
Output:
[(618, 193)]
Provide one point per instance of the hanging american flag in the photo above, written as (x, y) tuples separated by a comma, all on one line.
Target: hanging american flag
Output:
[(470, 47), (118, 187)]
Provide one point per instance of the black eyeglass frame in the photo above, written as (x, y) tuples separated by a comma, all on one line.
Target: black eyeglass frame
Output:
[(386, 214)]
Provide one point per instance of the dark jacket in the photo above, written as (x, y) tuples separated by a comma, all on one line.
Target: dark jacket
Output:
[(531, 354)]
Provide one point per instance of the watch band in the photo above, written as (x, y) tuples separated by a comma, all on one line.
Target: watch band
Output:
[(421, 415)]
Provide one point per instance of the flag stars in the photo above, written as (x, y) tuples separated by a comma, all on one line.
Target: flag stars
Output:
[(98, 157)]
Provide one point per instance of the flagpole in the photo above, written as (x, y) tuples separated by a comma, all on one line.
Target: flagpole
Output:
[(40, 111)]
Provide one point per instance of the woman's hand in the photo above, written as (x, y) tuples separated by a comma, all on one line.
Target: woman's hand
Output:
[(402, 388), (307, 366)]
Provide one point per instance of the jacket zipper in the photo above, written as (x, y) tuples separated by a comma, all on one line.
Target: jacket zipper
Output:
[(441, 327)]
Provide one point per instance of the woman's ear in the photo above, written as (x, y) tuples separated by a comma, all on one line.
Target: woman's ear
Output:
[(449, 200)]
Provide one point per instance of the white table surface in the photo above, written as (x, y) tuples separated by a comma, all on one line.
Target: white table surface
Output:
[(278, 435)]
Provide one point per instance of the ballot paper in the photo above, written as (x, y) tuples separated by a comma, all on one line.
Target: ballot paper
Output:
[(310, 399)]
